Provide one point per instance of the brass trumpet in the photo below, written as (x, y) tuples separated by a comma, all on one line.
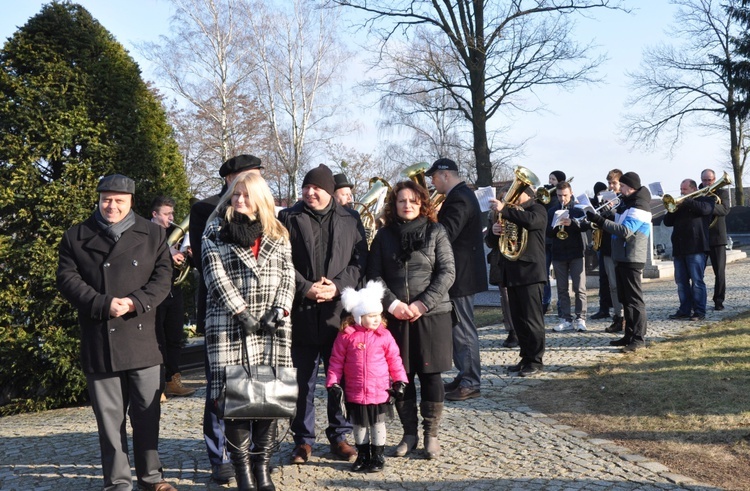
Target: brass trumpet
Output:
[(671, 204)]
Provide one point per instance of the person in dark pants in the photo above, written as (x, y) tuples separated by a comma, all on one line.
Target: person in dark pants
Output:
[(170, 314), (329, 251), (493, 258), (630, 231), (605, 297), (690, 247), (213, 427), (555, 177), (524, 277), (717, 239), (461, 217), (115, 268)]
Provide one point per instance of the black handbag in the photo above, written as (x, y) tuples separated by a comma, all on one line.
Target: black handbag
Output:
[(258, 391)]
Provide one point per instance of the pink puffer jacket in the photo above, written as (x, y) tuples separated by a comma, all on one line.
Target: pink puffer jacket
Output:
[(368, 361)]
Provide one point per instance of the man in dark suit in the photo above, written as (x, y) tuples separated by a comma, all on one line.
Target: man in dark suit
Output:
[(717, 238), (329, 252), (462, 218), (213, 428), (525, 277), (115, 268)]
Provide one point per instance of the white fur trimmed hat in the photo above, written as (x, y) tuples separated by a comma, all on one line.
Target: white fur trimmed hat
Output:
[(368, 300)]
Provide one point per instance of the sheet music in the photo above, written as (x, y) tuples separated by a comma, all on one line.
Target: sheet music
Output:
[(559, 215), (584, 203), (656, 189), (484, 195)]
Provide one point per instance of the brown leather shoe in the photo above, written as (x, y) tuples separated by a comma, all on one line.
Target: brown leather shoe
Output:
[(344, 451), (301, 453), (175, 388), (462, 394), (159, 486)]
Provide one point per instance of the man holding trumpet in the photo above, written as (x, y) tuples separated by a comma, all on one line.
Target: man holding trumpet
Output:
[(630, 230), (690, 247)]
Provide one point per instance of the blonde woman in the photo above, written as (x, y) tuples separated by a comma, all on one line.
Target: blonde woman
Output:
[(249, 274)]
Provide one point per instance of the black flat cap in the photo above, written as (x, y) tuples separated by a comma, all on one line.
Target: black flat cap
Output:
[(116, 183), (341, 182), (441, 164), (239, 163)]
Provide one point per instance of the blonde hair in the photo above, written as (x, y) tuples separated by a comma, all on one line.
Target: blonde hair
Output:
[(259, 195)]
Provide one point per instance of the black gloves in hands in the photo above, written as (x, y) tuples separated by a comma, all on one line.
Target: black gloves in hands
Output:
[(396, 392), (249, 323), (597, 220), (336, 395), (270, 320)]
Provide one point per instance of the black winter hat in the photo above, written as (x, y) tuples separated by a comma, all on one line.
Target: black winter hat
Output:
[(240, 163), (559, 175), (322, 177), (116, 183), (441, 164), (631, 179), (599, 187)]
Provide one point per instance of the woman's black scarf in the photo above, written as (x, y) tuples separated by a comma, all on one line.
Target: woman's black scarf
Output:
[(412, 236), (241, 230)]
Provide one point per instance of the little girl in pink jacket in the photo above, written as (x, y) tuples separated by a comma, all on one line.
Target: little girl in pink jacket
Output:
[(366, 356)]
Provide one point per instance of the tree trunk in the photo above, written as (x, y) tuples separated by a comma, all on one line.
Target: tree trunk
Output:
[(736, 159)]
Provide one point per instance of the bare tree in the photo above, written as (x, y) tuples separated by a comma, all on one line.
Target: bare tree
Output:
[(298, 58), (207, 61), (496, 52), (691, 83)]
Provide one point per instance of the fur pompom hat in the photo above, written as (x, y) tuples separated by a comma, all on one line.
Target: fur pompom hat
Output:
[(368, 300)]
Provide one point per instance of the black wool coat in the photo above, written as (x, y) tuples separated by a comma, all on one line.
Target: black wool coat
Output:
[(462, 218), (317, 324), (691, 221), (530, 266), (93, 269)]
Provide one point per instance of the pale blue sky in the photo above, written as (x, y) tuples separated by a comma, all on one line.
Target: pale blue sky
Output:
[(579, 132)]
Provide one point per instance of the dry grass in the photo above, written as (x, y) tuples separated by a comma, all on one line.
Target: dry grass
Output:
[(683, 402)]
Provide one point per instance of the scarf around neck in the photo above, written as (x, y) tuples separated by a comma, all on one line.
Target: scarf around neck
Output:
[(241, 230), (412, 236), (114, 230)]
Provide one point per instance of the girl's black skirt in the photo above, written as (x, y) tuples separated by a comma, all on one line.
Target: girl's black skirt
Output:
[(369, 414)]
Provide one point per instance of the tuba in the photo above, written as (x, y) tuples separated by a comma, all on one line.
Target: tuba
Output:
[(514, 239), (416, 173), (175, 240), (369, 206), (671, 204)]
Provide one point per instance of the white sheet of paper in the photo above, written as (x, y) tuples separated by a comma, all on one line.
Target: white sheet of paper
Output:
[(656, 189), (559, 215), (484, 195)]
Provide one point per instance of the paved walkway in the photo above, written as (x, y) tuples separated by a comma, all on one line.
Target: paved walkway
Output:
[(490, 443)]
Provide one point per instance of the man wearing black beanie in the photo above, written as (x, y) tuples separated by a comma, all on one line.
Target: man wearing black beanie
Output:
[(329, 252)]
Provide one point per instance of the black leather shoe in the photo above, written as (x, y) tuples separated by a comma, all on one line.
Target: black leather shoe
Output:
[(515, 368), (679, 315), (719, 306), (633, 347), (529, 371), (601, 315), (462, 394), (511, 342), (620, 342), (222, 473), (697, 318)]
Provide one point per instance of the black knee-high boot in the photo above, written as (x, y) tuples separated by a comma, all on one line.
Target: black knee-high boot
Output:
[(264, 436), (238, 444)]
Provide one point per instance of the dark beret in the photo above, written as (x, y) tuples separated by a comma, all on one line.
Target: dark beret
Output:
[(116, 183), (239, 163)]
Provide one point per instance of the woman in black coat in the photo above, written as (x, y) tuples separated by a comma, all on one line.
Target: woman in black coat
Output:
[(412, 255)]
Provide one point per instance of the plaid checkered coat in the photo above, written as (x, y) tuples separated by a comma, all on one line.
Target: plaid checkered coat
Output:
[(235, 280)]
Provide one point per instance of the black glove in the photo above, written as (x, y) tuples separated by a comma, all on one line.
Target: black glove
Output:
[(595, 219), (396, 392), (270, 320), (336, 396), (249, 323)]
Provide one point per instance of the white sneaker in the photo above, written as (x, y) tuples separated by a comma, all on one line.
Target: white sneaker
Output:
[(579, 325), (563, 326)]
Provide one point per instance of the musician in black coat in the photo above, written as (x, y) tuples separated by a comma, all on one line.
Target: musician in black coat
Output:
[(525, 278), (461, 217), (115, 268), (717, 238)]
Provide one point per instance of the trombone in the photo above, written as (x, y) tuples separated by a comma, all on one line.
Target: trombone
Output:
[(671, 204)]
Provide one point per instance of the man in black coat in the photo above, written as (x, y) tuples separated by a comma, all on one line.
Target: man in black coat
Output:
[(461, 217), (690, 246), (213, 428), (115, 268), (525, 277), (329, 252), (717, 238)]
